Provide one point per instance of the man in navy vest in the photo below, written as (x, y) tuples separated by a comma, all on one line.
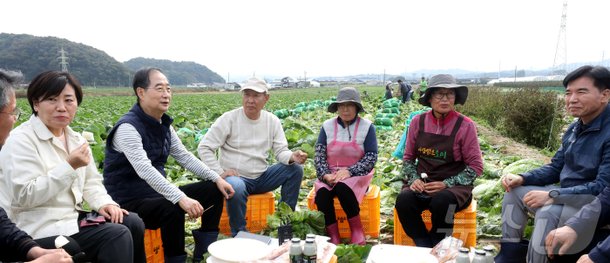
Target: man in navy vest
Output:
[(137, 149)]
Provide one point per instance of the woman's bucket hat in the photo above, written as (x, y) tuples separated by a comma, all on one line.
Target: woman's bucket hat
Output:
[(444, 81), (347, 94)]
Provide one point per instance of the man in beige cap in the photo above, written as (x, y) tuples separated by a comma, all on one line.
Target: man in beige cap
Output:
[(245, 136)]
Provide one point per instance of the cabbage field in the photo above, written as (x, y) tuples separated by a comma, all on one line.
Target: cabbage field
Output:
[(302, 112)]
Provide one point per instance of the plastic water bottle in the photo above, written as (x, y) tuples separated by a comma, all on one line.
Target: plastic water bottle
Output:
[(309, 251), (312, 237), (489, 253), (479, 256), (296, 253), (463, 256)]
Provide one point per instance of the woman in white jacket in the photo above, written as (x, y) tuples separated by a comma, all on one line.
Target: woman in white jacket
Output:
[(52, 178)]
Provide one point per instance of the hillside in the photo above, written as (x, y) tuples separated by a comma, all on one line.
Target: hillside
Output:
[(32, 55), (93, 67), (179, 73)]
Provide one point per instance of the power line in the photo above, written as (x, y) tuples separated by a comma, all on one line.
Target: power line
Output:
[(560, 62), (561, 50)]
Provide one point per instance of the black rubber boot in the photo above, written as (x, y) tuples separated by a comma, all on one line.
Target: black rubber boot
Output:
[(176, 259), (202, 241), (423, 242), (511, 252)]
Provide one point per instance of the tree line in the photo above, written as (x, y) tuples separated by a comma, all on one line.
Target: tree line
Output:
[(93, 67)]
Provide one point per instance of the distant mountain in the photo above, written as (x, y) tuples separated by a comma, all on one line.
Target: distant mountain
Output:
[(32, 55), (92, 67), (519, 72), (415, 76), (178, 73)]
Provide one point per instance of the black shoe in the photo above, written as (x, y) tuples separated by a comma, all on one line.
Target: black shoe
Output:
[(202, 242), (512, 252)]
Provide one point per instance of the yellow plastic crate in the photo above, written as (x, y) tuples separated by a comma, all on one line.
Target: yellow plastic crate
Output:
[(153, 245), (257, 209), (464, 226), (369, 212)]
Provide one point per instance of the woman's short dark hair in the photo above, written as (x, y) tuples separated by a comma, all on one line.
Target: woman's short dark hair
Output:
[(141, 78), (50, 84), (600, 76)]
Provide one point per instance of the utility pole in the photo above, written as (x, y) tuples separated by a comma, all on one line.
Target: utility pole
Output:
[(499, 68), (561, 50), (515, 74)]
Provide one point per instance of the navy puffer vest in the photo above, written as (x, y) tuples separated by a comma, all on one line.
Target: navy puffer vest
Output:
[(121, 180)]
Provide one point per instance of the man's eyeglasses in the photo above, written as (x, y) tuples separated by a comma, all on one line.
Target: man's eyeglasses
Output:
[(439, 96), (164, 90), (16, 113)]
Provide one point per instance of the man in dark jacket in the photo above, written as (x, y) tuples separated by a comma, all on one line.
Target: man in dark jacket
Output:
[(137, 149), (584, 233), (16, 245), (405, 91), (581, 166)]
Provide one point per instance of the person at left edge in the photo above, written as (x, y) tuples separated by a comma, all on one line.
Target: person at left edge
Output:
[(137, 149), (16, 245), (50, 172)]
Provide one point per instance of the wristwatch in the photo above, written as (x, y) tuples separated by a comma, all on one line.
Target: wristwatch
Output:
[(554, 193)]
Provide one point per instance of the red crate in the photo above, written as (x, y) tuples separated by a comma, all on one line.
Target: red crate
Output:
[(153, 246), (257, 209), (369, 212), (464, 226)]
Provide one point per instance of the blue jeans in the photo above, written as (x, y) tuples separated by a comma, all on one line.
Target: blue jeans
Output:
[(288, 176)]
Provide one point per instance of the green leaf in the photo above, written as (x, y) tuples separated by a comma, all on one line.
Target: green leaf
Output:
[(352, 253)]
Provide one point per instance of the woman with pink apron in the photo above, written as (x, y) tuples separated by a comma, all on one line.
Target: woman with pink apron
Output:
[(346, 153), (441, 161)]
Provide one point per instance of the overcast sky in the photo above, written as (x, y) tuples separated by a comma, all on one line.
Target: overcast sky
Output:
[(324, 37)]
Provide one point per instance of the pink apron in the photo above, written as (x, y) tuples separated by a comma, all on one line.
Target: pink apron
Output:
[(342, 155)]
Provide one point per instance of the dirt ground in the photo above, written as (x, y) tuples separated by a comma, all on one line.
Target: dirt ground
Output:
[(508, 146)]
